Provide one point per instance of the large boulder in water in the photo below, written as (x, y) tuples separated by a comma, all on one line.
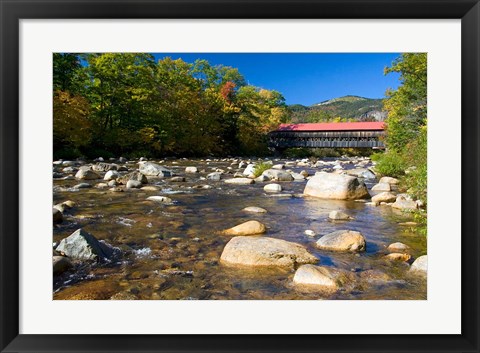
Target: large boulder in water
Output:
[(84, 246), (336, 186), (153, 169), (247, 228), (265, 252), (342, 240)]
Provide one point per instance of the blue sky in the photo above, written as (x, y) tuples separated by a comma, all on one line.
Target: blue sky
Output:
[(308, 78)]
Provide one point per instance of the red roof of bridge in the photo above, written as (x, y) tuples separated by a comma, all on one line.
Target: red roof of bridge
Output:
[(368, 125)]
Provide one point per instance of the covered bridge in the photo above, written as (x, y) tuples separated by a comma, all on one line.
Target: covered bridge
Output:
[(331, 135)]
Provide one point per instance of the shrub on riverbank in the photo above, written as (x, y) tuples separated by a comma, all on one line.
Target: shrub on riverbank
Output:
[(406, 130), (389, 164)]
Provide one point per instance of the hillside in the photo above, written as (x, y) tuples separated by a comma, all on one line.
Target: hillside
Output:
[(348, 108)]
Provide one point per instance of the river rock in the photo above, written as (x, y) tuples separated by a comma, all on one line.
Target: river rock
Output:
[(104, 167), (111, 175), (161, 199), (420, 265), (69, 170), (265, 251), (61, 264), (404, 204), (336, 186), (361, 173), (137, 176), (397, 247), (82, 186), (272, 188), (240, 181), (60, 207), (278, 166), (374, 276), (191, 170), (395, 256), (84, 246), (277, 175), (134, 184), (249, 170), (150, 188), (177, 179), (247, 228), (298, 176), (339, 216), (342, 240), (69, 203), (381, 187), (153, 169), (319, 277), (384, 197), (388, 180), (215, 176), (262, 178), (310, 233), (84, 173), (57, 216), (254, 209)]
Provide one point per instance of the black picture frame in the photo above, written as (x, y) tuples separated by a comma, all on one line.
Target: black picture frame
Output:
[(13, 10)]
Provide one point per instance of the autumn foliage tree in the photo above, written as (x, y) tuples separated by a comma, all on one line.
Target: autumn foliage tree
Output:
[(126, 103)]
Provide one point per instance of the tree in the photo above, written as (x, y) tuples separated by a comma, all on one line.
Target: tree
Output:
[(120, 89), (125, 103), (68, 75), (71, 127), (261, 111), (407, 106)]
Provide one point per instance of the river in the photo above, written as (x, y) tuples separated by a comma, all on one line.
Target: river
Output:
[(172, 251)]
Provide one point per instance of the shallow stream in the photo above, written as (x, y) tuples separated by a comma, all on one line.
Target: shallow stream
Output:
[(172, 251)]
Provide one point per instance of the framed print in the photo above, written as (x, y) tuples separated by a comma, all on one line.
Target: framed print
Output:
[(239, 176)]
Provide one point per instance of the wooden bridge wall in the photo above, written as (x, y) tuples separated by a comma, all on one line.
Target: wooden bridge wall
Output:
[(326, 139)]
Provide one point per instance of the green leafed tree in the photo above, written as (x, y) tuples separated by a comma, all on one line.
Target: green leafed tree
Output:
[(407, 106)]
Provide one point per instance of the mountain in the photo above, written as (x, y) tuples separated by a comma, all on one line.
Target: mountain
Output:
[(348, 108)]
